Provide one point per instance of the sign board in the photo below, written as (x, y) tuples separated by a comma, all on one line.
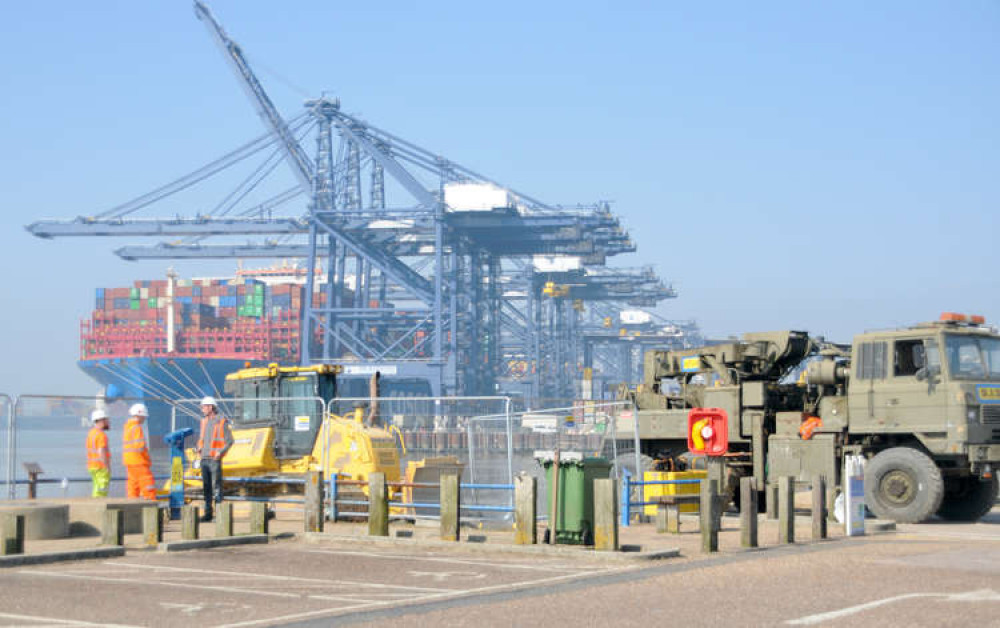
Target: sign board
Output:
[(369, 369)]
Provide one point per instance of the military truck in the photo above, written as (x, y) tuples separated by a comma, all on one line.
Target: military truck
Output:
[(921, 403)]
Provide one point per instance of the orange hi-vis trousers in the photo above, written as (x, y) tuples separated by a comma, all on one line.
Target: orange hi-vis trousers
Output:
[(140, 482)]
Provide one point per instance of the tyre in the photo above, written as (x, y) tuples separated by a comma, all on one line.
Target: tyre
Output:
[(969, 499), (903, 484)]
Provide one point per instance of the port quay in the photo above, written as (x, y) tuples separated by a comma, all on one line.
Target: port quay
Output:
[(423, 392)]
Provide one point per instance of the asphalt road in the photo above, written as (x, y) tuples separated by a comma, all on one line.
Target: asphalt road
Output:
[(926, 575)]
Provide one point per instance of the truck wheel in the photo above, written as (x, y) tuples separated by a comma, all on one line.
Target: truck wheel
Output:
[(969, 499), (903, 484)]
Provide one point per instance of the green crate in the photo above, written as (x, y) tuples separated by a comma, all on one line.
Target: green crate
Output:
[(134, 304), (151, 302)]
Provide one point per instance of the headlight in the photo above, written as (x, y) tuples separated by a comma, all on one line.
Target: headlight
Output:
[(972, 414)]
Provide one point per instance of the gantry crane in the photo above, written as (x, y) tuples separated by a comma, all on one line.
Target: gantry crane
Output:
[(440, 288)]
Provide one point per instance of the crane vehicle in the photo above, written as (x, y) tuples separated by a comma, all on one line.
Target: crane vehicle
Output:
[(921, 403)]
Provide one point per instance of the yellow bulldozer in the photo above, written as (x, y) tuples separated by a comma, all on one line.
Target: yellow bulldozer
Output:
[(282, 429)]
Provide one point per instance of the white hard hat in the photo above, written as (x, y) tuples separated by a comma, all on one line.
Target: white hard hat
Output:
[(209, 401), (138, 409), (97, 415)]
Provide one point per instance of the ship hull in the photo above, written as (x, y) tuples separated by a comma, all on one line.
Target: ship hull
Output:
[(160, 383)]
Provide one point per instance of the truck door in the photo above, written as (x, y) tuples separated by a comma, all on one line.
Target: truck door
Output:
[(870, 366), (908, 403)]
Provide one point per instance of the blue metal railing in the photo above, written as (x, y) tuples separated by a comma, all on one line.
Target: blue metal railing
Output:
[(626, 493), (333, 512)]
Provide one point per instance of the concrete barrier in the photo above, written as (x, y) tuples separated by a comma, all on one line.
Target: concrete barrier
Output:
[(86, 514), (41, 520)]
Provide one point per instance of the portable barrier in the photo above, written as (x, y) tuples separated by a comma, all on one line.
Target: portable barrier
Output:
[(7, 441), (50, 431), (412, 508), (627, 503)]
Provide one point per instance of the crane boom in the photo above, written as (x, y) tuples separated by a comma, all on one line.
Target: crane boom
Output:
[(301, 164)]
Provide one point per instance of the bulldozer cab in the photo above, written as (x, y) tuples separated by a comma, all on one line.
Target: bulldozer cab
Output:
[(291, 400)]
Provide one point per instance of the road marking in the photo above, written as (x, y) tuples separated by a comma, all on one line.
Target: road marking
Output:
[(441, 595), (983, 595), (178, 585), (293, 579), (61, 622), (438, 559), (441, 576)]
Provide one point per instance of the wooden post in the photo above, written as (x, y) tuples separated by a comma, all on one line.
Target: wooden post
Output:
[(113, 532), (258, 518), (314, 502), (11, 534), (224, 519), (605, 515), (786, 509), (709, 503), (748, 512), (152, 525), (525, 494), (189, 523), (450, 506), (378, 505), (33, 469), (818, 507), (771, 499)]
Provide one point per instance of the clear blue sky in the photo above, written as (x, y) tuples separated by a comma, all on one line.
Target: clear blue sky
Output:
[(822, 166)]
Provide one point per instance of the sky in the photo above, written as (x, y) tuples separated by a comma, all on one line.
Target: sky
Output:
[(830, 167)]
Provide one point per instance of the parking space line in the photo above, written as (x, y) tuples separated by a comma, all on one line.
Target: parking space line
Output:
[(437, 597), (160, 583), (292, 579), (459, 561), (60, 622)]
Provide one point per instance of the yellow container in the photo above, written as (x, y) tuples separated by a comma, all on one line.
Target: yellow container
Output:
[(656, 490)]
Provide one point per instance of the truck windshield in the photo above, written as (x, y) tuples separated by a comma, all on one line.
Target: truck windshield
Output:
[(973, 357)]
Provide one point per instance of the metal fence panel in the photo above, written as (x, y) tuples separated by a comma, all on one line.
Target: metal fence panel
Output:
[(51, 431), (7, 441)]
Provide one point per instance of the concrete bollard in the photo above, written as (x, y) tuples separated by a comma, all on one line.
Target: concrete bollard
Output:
[(708, 515), (771, 500), (258, 518), (786, 510), (189, 523), (605, 515), (113, 530), (152, 525), (525, 494), (224, 519), (818, 507), (450, 506), (748, 512), (314, 502), (378, 505), (11, 534)]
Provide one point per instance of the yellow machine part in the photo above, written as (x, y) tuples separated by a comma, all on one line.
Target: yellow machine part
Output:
[(427, 471), (355, 450), (656, 490)]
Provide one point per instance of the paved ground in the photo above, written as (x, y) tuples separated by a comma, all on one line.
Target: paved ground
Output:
[(926, 575)]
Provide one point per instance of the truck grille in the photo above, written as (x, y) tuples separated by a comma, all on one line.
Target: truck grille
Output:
[(990, 413)]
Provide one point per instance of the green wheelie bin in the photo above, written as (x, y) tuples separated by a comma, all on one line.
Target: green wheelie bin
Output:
[(574, 514)]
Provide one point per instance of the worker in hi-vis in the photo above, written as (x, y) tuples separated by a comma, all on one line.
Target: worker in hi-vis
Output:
[(99, 454), (135, 454), (215, 440)]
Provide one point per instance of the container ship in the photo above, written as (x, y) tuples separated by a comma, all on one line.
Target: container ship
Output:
[(170, 339)]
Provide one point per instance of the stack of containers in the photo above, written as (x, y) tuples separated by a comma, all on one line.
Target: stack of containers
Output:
[(132, 321)]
